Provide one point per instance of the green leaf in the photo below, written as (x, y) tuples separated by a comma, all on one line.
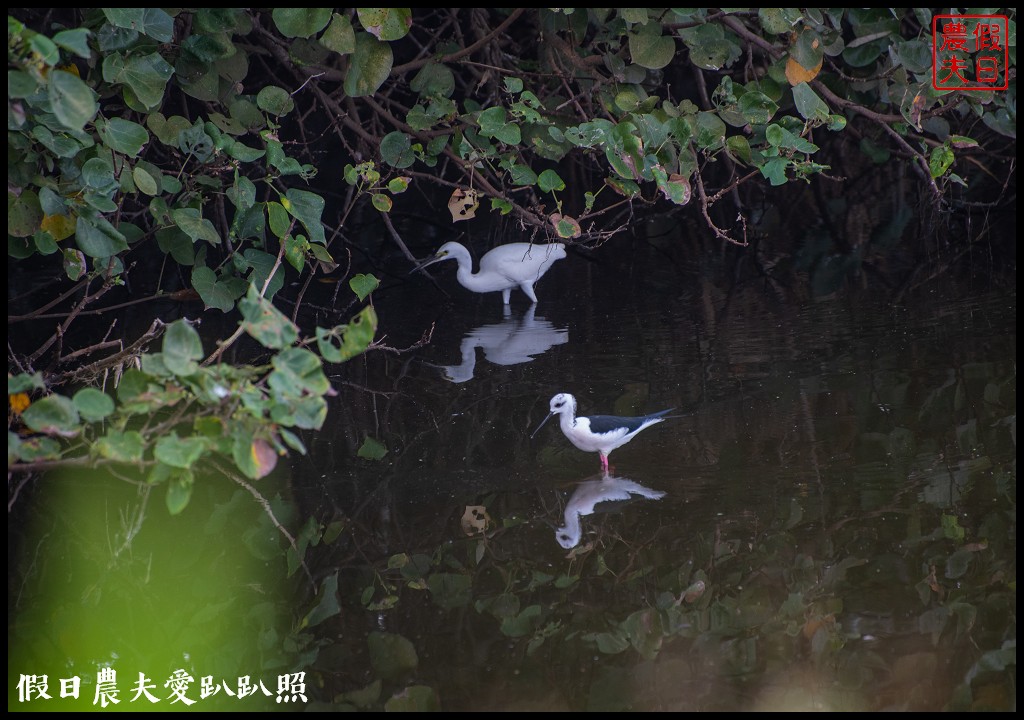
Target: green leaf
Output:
[(153, 22), (370, 67), (145, 182), (72, 101), (92, 404), (266, 323), (24, 213), (179, 492), (808, 50), (650, 49), (362, 285), (941, 159), (52, 415), (808, 104), (396, 150), (295, 249), (75, 41), (326, 602), (371, 449), (434, 79), (24, 382), (262, 263), (123, 136), (214, 293), (193, 224), (280, 224), (301, 22), (146, 75), (181, 348), (179, 452), (774, 170), (298, 372), (756, 107), (386, 23), (97, 238), (381, 202), (306, 207), (121, 446), (550, 180), (398, 185), (339, 36), (275, 100), (344, 342)]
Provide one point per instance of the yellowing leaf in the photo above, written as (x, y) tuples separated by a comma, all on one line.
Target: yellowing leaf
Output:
[(463, 204), (797, 73), (59, 226), (18, 402)]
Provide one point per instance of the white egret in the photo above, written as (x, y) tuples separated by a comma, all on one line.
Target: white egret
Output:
[(503, 268)]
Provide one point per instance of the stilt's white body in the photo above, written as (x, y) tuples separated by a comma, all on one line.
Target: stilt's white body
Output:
[(598, 433), (503, 268)]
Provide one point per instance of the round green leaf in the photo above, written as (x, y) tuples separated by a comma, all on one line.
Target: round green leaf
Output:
[(145, 182), (181, 348), (301, 22), (179, 492), (179, 452), (339, 37), (550, 180), (52, 415), (370, 67), (396, 150), (97, 238), (75, 41), (24, 213), (808, 104), (92, 404), (386, 23), (651, 49), (275, 100), (381, 202), (434, 79), (123, 136), (121, 446), (72, 101)]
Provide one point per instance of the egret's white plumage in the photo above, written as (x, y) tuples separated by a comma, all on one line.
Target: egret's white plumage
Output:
[(591, 492), (597, 433), (503, 268)]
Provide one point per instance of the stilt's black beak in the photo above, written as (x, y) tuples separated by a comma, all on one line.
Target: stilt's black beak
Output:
[(546, 418)]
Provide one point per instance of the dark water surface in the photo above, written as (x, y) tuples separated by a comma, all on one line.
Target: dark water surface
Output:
[(837, 530)]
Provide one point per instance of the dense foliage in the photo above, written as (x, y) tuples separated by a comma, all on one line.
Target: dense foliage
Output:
[(208, 140)]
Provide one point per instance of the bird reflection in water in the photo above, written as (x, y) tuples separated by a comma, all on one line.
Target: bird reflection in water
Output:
[(591, 492), (512, 341)]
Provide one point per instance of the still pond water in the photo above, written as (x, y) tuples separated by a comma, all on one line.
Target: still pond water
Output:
[(827, 520)]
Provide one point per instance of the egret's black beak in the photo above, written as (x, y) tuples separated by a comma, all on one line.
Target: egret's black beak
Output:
[(546, 418)]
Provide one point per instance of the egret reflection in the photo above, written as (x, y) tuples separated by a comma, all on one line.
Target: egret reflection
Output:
[(512, 341), (591, 492)]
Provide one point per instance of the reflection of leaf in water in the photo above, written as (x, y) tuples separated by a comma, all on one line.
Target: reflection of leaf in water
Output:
[(450, 590), (391, 654)]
